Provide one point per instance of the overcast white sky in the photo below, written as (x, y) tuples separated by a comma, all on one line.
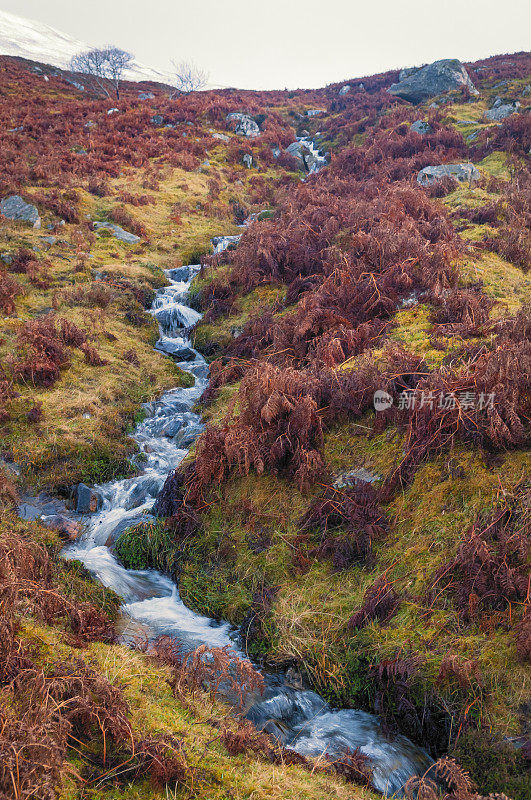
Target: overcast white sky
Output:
[(291, 43)]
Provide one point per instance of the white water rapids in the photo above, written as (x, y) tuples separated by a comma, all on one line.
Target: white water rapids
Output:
[(300, 718)]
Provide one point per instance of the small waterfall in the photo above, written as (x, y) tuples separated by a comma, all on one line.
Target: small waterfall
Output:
[(313, 159), (300, 718)]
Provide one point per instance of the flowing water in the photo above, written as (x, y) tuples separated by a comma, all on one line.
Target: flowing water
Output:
[(300, 718)]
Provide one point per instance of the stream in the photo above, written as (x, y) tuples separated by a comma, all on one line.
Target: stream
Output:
[(300, 718)]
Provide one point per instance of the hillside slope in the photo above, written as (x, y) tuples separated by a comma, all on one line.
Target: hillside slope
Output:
[(35, 41), (382, 555)]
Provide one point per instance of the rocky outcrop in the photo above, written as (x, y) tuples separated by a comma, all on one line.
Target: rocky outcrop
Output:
[(421, 127), (243, 124), (86, 500), (118, 232), (406, 72), (15, 208), (501, 110), (461, 172), (295, 149), (355, 476), (434, 79), (67, 528), (345, 89)]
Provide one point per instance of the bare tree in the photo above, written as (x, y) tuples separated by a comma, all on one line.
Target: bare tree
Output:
[(188, 77), (92, 63), (106, 67), (117, 62)]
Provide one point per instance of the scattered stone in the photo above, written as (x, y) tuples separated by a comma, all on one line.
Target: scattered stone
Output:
[(49, 240), (345, 89), (118, 232), (276, 151), (247, 160), (221, 136), (295, 149), (222, 243), (243, 124), (437, 78), (420, 127), (16, 130), (346, 479), (86, 500), (472, 136), (526, 91), (75, 84), (91, 124), (6, 258), (314, 112), (146, 96), (15, 208), (65, 527), (157, 119), (461, 172), (501, 111), (113, 111)]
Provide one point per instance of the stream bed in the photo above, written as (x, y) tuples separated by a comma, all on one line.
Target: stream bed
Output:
[(300, 718)]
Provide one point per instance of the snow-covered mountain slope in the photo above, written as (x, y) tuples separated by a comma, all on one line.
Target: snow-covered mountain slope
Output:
[(39, 42)]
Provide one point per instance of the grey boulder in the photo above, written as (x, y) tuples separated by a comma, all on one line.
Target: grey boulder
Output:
[(243, 124), (420, 127), (461, 172), (295, 149), (500, 111), (66, 528), (431, 80), (86, 500), (345, 89), (157, 119), (146, 95), (117, 232), (406, 72), (15, 208), (247, 160), (353, 476)]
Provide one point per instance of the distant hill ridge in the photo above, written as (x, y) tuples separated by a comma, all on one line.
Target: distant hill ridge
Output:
[(37, 41)]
